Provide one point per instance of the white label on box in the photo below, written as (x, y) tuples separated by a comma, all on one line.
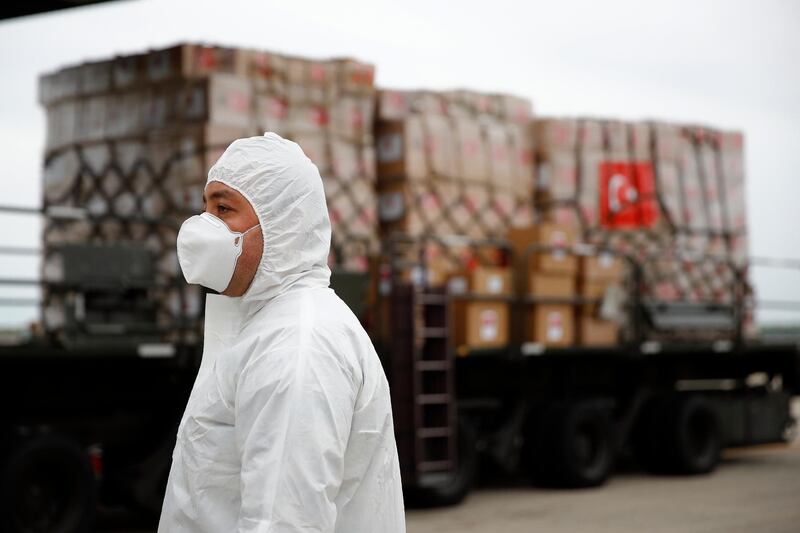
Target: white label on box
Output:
[(555, 327), (606, 260), (489, 325), (559, 239), (494, 284), (457, 285), (390, 148), (543, 176), (391, 206), (417, 275)]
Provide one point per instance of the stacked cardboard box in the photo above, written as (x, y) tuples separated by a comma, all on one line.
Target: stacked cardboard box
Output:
[(457, 163), (597, 273), (549, 276), (481, 323), (453, 163), (671, 196), (130, 140)]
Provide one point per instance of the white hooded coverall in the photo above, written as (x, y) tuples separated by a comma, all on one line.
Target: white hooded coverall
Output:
[(289, 425)]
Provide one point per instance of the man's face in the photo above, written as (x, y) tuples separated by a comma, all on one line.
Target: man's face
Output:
[(231, 207)]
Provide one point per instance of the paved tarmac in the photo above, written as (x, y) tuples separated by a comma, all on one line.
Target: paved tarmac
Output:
[(753, 490)]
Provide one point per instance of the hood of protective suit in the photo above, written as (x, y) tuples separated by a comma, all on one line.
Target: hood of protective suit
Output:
[(285, 189)]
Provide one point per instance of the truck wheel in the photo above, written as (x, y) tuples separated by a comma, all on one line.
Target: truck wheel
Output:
[(570, 445), (682, 436), (47, 485), (453, 489)]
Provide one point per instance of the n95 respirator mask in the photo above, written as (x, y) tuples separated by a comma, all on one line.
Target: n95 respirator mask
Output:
[(208, 251)]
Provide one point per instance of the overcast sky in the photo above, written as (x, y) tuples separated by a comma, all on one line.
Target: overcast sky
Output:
[(729, 64)]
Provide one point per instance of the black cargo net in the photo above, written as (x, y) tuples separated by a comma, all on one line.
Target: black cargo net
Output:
[(445, 213), (99, 195)]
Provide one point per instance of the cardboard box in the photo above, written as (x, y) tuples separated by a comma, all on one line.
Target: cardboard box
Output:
[(557, 176), (400, 147), (593, 289), (590, 135), (556, 134), (176, 110), (467, 157), (473, 152), (468, 210), (58, 85), (641, 140), (546, 234), (551, 285), (439, 270), (352, 118), (316, 148), (441, 266), (558, 261), (271, 113), (589, 196), (464, 136), (127, 71), (480, 325), (596, 332), (491, 281), (522, 159), (352, 209), (95, 77), (602, 267), (440, 147), (617, 137), (520, 238), (500, 156), (192, 60), (393, 105), (483, 280), (200, 146), (558, 214), (552, 325), (356, 76), (414, 208)]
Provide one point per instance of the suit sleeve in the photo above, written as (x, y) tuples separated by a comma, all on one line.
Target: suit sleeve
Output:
[(293, 413)]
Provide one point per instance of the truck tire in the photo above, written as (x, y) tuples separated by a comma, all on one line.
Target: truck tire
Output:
[(47, 485), (455, 487), (570, 445), (680, 435)]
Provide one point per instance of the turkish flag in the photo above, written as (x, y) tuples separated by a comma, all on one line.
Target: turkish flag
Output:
[(627, 195)]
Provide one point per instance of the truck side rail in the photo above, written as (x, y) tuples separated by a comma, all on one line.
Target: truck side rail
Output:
[(64, 213)]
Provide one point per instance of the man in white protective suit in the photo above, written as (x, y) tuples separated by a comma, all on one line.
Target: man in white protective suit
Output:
[(289, 424)]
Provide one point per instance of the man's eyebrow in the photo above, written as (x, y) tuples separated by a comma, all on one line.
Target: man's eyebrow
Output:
[(216, 195)]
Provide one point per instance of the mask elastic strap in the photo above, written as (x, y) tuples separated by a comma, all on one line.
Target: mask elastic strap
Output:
[(240, 238), (251, 229)]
